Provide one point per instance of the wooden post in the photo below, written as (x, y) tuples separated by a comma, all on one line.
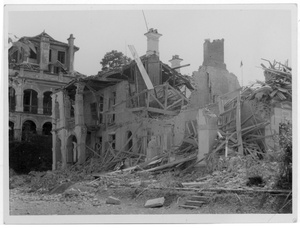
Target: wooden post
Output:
[(226, 145), (238, 124), (166, 96)]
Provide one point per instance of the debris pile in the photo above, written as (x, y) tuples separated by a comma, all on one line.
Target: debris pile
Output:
[(243, 119), (278, 84)]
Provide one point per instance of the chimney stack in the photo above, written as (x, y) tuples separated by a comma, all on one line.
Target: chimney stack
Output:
[(175, 62), (152, 42), (71, 54), (44, 51)]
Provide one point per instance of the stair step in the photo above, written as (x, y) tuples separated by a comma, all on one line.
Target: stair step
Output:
[(189, 207), (203, 198), (194, 203), (206, 193)]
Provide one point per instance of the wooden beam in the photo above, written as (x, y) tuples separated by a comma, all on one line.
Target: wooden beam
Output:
[(161, 105), (179, 93), (165, 112), (180, 100), (141, 67), (92, 151), (166, 95), (238, 124)]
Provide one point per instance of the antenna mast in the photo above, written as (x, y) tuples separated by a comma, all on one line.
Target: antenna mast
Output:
[(145, 21)]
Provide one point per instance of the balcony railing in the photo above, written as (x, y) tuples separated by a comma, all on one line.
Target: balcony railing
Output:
[(30, 109)]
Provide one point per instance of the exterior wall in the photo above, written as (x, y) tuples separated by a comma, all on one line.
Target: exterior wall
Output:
[(281, 113), (212, 82)]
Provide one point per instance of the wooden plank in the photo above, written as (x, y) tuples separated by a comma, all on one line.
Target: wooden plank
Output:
[(166, 95), (93, 151), (141, 67), (238, 124), (165, 112), (180, 100), (227, 111), (171, 164), (180, 94)]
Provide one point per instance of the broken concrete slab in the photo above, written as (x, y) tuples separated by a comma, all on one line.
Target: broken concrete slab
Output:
[(61, 188), (158, 202), (113, 200)]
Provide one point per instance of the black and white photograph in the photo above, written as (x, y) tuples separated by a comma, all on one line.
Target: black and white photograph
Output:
[(179, 113)]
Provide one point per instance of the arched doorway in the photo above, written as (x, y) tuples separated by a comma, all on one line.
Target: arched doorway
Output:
[(30, 101), (47, 103), (47, 128), (28, 130), (11, 130), (12, 99), (72, 151)]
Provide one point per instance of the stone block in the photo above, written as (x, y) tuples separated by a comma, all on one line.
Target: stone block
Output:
[(113, 200), (158, 202)]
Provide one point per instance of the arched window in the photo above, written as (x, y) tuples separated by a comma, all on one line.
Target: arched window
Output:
[(47, 103), (72, 151), (12, 99), (30, 101), (47, 128), (28, 130)]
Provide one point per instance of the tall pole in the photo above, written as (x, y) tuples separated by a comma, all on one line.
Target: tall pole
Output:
[(145, 21), (242, 73)]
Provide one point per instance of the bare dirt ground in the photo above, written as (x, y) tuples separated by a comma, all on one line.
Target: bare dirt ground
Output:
[(81, 199)]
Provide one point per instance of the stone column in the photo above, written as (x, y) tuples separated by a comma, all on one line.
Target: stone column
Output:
[(60, 100), (63, 148), (18, 86), (40, 104), (79, 117), (18, 127), (54, 161), (19, 99), (79, 122), (81, 145), (207, 132), (39, 131)]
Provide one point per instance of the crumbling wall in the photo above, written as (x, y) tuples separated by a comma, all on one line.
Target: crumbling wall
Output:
[(212, 82)]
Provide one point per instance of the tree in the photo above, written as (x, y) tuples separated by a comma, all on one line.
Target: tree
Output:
[(114, 59)]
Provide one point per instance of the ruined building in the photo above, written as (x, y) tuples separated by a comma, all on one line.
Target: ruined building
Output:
[(116, 116), (32, 79), (213, 79)]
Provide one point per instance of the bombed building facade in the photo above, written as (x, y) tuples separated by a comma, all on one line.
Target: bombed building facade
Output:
[(33, 76), (140, 110)]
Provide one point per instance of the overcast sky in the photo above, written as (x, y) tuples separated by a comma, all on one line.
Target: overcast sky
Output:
[(250, 34)]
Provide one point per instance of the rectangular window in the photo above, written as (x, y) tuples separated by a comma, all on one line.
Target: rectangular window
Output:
[(50, 55), (32, 54), (61, 56)]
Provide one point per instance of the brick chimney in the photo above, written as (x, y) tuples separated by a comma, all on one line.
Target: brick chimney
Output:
[(152, 42), (214, 53), (71, 52), (175, 62)]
